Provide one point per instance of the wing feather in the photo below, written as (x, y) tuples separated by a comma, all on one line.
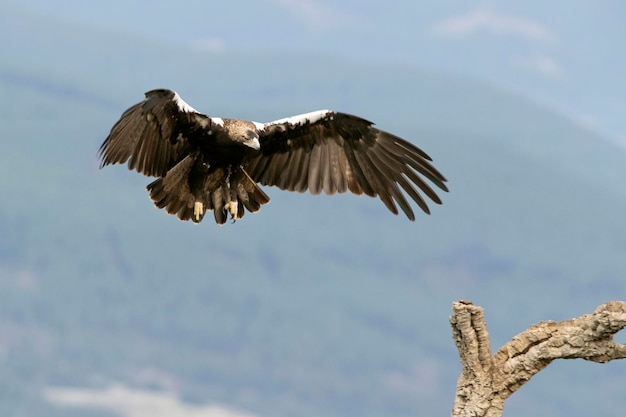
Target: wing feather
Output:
[(150, 135), (397, 172), (395, 164), (315, 165), (335, 152), (298, 169), (419, 161), (327, 180), (337, 167), (376, 181), (299, 173), (359, 185)]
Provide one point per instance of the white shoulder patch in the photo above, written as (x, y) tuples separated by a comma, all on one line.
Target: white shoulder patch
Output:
[(259, 126), (182, 105), (218, 121), (311, 117)]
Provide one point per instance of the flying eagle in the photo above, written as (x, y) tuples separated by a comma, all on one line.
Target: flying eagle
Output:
[(209, 163)]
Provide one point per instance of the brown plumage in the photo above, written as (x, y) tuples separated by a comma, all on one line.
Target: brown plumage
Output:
[(203, 163)]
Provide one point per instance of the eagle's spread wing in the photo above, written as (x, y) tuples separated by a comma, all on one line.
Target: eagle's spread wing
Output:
[(151, 135), (335, 152)]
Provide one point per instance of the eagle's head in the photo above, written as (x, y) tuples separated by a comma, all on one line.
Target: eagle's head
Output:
[(244, 132)]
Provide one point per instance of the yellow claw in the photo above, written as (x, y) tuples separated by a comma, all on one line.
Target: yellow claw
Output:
[(198, 209), (232, 207)]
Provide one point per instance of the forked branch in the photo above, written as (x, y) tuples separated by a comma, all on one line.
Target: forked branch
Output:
[(486, 381)]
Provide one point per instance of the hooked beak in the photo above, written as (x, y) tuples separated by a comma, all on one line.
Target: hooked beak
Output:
[(253, 140)]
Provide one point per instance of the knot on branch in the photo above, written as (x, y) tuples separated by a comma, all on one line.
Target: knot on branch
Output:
[(610, 318)]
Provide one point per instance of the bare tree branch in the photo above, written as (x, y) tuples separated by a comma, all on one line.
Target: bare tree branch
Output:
[(487, 381)]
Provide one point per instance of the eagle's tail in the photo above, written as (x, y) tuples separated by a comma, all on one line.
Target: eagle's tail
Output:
[(188, 190), (173, 193)]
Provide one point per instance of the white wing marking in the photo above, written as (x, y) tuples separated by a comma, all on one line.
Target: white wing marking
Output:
[(218, 121), (259, 126), (311, 117), (182, 105)]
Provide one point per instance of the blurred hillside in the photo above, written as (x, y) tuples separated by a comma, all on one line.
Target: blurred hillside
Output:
[(313, 306)]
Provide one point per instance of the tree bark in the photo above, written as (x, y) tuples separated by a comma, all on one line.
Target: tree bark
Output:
[(486, 381)]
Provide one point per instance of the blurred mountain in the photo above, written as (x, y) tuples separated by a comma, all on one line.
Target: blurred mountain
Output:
[(315, 305)]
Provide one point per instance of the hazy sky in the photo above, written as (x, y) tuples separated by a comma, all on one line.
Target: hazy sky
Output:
[(568, 55)]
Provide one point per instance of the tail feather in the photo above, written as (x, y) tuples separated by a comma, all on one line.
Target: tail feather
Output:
[(219, 212), (172, 192), (189, 192), (249, 193)]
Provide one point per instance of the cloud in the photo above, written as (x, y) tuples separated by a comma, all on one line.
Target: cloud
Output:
[(315, 14), (542, 64), (495, 24), (21, 278), (135, 403)]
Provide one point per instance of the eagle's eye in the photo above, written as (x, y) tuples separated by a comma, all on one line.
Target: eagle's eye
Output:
[(251, 134)]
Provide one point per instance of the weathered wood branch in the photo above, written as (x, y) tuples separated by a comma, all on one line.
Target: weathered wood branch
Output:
[(486, 381)]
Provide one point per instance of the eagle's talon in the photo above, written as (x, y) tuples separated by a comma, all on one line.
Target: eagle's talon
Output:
[(232, 207), (198, 209)]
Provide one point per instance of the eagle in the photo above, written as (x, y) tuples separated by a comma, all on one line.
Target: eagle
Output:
[(204, 163)]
